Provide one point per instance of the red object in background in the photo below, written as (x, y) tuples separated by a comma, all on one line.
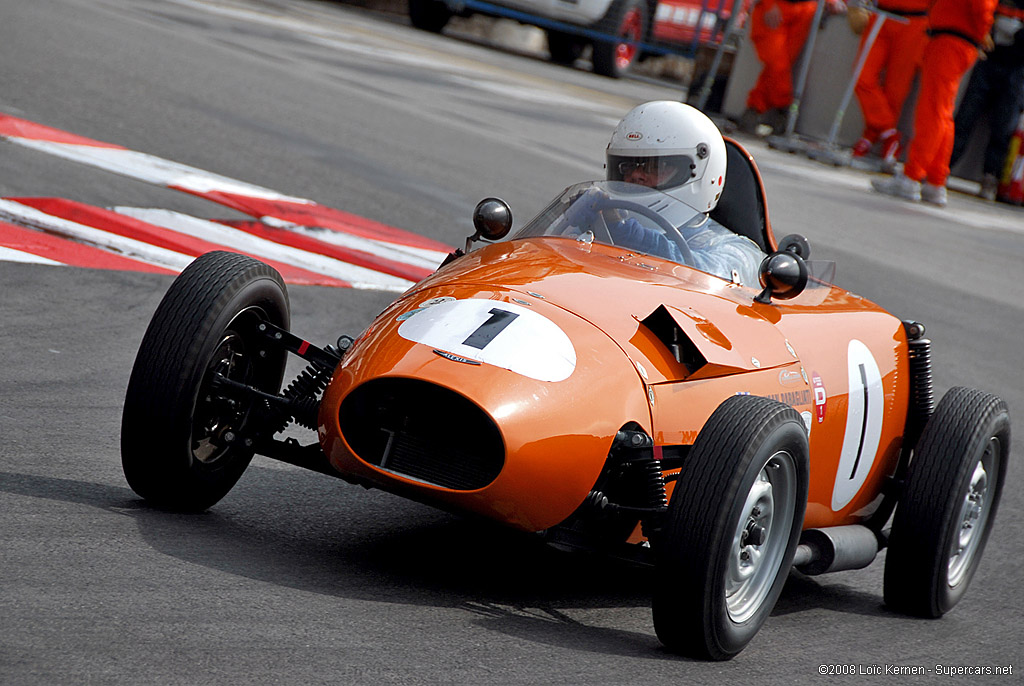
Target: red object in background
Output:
[(1011, 184), (675, 21)]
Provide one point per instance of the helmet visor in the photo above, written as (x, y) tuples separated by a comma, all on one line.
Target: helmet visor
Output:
[(661, 172)]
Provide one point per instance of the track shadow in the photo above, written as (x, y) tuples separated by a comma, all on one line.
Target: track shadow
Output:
[(328, 538), (803, 593)]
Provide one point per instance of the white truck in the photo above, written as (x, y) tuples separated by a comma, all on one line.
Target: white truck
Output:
[(619, 32)]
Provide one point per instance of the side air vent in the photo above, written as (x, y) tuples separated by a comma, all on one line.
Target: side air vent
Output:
[(662, 325), (423, 432)]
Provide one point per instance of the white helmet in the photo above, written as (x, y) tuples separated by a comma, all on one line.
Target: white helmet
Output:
[(678, 147)]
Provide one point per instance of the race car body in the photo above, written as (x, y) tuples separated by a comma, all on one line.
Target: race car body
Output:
[(654, 404), (584, 352)]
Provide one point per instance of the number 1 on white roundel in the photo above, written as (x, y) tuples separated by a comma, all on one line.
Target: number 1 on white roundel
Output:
[(498, 333), (864, 414)]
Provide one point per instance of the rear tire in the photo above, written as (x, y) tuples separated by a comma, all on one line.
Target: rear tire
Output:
[(949, 503), (564, 48), (183, 441), (732, 528), (628, 20)]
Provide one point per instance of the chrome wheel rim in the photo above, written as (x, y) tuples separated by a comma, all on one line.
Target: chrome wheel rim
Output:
[(974, 515), (761, 537)]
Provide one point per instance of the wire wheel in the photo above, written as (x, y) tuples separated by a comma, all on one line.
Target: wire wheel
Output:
[(185, 438), (220, 419)]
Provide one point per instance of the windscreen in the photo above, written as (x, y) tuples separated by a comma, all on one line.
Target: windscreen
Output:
[(621, 214), (646, 221)]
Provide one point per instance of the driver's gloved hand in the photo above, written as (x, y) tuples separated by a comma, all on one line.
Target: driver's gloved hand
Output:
[(629, 233), (584, 208)]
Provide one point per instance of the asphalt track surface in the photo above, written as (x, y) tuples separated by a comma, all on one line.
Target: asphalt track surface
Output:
[(295, 578)]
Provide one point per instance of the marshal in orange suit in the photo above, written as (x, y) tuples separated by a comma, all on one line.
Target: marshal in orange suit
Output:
[(778, 30), (958, 29), (888, 73)]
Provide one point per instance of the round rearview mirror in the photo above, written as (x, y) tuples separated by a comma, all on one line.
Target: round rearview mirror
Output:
[(783, 275), (796, 244), (492, 218)]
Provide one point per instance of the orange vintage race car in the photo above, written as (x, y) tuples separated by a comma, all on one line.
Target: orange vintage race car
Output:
[(606, 399)]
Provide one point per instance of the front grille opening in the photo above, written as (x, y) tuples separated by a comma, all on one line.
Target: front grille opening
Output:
[(424, 432)]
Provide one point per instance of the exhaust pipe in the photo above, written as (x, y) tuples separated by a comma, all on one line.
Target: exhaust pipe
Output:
[(835, 549)]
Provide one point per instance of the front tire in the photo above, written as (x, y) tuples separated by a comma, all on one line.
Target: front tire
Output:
[(732, 528), (629, 21), (183, 438), (949, 503)]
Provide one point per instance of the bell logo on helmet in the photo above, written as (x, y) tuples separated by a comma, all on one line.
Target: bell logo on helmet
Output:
[(634, 136)]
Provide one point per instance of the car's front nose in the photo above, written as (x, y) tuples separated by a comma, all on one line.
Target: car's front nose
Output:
[(516, 429)]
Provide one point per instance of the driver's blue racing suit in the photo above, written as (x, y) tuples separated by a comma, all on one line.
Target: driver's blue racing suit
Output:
[(716, 250)]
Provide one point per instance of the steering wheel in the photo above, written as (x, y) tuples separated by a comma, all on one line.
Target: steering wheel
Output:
[(664, 224)]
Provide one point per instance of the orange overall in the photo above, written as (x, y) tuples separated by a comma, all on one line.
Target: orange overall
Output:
[(957, 28), (778, 49), (889, 69)]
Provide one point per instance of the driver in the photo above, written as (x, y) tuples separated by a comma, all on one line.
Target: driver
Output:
[(678, 150)]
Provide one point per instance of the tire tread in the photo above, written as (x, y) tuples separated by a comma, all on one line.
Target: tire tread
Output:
[(168, 363), (917, 557)]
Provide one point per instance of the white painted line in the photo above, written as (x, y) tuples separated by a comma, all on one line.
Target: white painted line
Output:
[(12, 255), (359, 277), (155, 170), (162, 172), (407, 254), (129, 247)]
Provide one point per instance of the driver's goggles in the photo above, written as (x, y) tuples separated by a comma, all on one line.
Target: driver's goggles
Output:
[(647, 166), (661, 171)]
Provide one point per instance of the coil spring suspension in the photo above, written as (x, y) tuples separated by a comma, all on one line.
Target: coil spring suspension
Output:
[(652, 484), (639, 487), (922, 393), (304, 395), (647, 483)]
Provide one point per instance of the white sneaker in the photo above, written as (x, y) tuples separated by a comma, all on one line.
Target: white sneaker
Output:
[(899, 186), (749, 121), (936, 195)]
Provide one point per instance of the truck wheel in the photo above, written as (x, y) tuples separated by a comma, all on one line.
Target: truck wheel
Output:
[(732, 527), (185, 441), (627, 20), (564, 48), (429, 15), (949, 502)]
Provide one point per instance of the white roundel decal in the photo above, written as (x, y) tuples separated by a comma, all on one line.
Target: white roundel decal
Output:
[(864, 413), (502, 334)]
